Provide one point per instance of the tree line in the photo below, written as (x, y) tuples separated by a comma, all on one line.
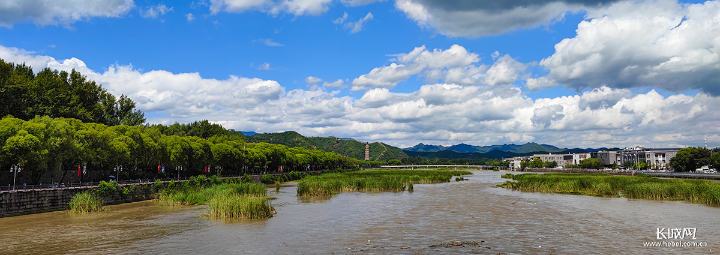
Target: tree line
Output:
[(691, 158), (50, 147), (53, 93)]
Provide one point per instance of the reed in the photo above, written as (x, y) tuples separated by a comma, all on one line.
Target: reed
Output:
[(233, 199), (240, 206), (605, 185), (371, 180), (85, 202)]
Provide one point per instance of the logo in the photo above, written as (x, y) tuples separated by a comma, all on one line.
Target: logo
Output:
[(675, 233)]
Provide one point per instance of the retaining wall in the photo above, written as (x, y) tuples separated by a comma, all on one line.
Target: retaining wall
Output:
[(28, 201), (45, 200)]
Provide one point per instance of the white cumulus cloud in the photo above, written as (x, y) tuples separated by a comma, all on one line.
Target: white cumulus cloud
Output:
[(439, 113), (674, 47), (455, 65), (156, 11), (60, 12), (295, 7)]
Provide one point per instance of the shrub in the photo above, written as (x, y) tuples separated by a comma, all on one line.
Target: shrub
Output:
[(158, 185), (268, 179), (106, 188), (124, 192)]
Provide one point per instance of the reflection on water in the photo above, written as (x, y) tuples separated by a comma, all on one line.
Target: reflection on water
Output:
[(507, 221)]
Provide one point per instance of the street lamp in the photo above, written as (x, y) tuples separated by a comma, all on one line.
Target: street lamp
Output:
[(15, 169), (178, 168)]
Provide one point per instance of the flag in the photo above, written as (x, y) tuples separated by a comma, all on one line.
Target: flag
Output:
[(163, 169), (85, 169), (158, 168), (79, 172)]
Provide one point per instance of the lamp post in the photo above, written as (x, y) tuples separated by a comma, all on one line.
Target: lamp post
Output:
[(14, 169), (178, 168)]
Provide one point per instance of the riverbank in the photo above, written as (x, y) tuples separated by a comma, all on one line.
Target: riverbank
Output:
[(48, 199), (580, 171), (605, 185)]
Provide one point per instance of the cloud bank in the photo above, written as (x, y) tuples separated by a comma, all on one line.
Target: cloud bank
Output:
[(437, 113), (60, 12)]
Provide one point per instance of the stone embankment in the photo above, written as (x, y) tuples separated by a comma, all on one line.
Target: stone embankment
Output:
[(28, 201), (580, 171)]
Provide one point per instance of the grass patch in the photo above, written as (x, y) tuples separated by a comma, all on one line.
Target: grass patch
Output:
[(372, 180), (232, 198), (85, 202), (234, 206), (605, 185)]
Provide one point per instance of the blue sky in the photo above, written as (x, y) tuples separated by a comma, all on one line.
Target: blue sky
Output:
[(398, 71)]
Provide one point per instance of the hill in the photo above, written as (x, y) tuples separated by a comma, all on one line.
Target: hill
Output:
[(466, 148), (350, 148), (494, 154)]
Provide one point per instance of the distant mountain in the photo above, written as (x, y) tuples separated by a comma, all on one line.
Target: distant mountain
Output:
[(420, 147), (493, 154), (462, 148), (342, 146), (466, 148)]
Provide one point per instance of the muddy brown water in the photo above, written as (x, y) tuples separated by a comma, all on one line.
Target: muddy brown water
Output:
[(496, 219)]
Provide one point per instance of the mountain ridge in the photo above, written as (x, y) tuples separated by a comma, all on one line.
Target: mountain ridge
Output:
[(347, 147), (466, 148)]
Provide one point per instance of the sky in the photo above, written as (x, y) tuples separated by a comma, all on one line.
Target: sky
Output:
[(571, 73)]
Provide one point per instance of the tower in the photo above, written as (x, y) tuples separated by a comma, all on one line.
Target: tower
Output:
[(367, 151)]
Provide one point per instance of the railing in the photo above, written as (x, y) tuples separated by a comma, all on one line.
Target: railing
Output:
[(71, 185)]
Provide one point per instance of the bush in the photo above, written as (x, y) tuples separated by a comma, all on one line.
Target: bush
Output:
[(158, 185), (124, 191), (268, 179), (106, 188), (214, 180)]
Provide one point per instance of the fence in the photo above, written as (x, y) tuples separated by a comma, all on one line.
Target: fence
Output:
[(71, 185)]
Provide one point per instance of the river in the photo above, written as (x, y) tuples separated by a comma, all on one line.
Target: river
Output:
[(490, 220)]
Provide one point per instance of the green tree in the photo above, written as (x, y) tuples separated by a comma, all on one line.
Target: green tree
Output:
[(690, 158), (591, 163), (394, 162), (536, 163), (550, 164), (640, 165)]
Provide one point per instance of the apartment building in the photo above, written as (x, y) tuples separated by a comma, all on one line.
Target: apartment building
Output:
[(656, 158)]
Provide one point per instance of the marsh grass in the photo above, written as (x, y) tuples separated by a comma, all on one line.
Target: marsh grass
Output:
[(605, 185), (85, 202), (229, 199), (372, 180), (240, 206)]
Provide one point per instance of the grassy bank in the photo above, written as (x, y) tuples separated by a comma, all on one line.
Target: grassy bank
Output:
[(371, 180), (231, 198), (642, 186), (85, 202)]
